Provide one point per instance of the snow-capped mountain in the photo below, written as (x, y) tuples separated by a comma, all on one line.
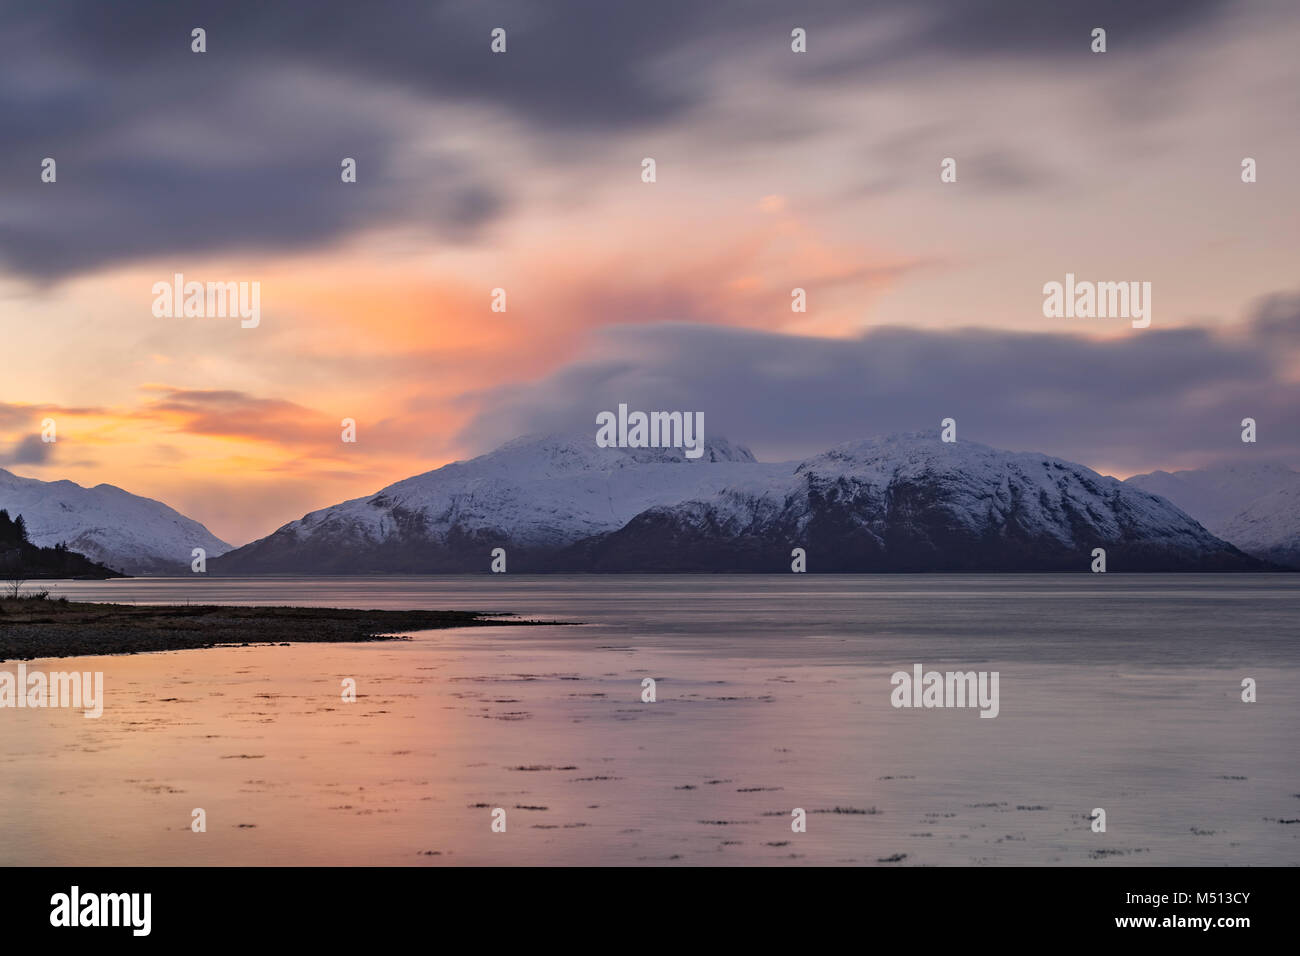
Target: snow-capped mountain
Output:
[(907, 502), (1254, 506), (914, 503), (106, 524), (534, 495)]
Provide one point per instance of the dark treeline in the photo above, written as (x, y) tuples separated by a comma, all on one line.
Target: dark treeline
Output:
[(20, 559)]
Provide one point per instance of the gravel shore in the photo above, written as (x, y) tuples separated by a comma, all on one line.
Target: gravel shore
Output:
[(31, 628)]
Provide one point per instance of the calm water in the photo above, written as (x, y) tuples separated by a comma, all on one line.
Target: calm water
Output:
[(1119, 692)]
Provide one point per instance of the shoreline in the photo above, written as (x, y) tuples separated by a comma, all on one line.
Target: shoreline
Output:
[(31, 628)]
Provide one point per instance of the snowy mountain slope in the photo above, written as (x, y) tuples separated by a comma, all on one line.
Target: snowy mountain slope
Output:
[(1256, 507), (533, 495), (106, 524), (911, 503), (908, 502)]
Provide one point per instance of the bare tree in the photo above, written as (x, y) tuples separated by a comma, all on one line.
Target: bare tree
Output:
[(14, 579)]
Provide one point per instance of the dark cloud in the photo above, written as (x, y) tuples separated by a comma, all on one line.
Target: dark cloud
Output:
[(575, 63), (1035, 28), (31, 450), (117, 209), (193, 160), (1118, 403), (162, 150)]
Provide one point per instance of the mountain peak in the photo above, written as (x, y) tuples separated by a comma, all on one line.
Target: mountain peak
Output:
[(579, 451)]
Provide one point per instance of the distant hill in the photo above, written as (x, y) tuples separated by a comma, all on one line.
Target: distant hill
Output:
[(1254, 506), (113, 527), (22, 560)]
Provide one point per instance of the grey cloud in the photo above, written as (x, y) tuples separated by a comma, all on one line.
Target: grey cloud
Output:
[(1001, 169), (31, 450), (181, 168), (1139, 401), (163, 150), (1034, 28), (1277, 320)]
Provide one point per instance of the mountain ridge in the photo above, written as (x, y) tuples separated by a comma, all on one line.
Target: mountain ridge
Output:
[(901, 502)]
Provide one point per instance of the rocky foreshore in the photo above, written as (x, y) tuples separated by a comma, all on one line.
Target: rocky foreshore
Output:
[(33, 628)]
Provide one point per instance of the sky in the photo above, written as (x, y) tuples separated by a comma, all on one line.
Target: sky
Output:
[(522, 171)]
